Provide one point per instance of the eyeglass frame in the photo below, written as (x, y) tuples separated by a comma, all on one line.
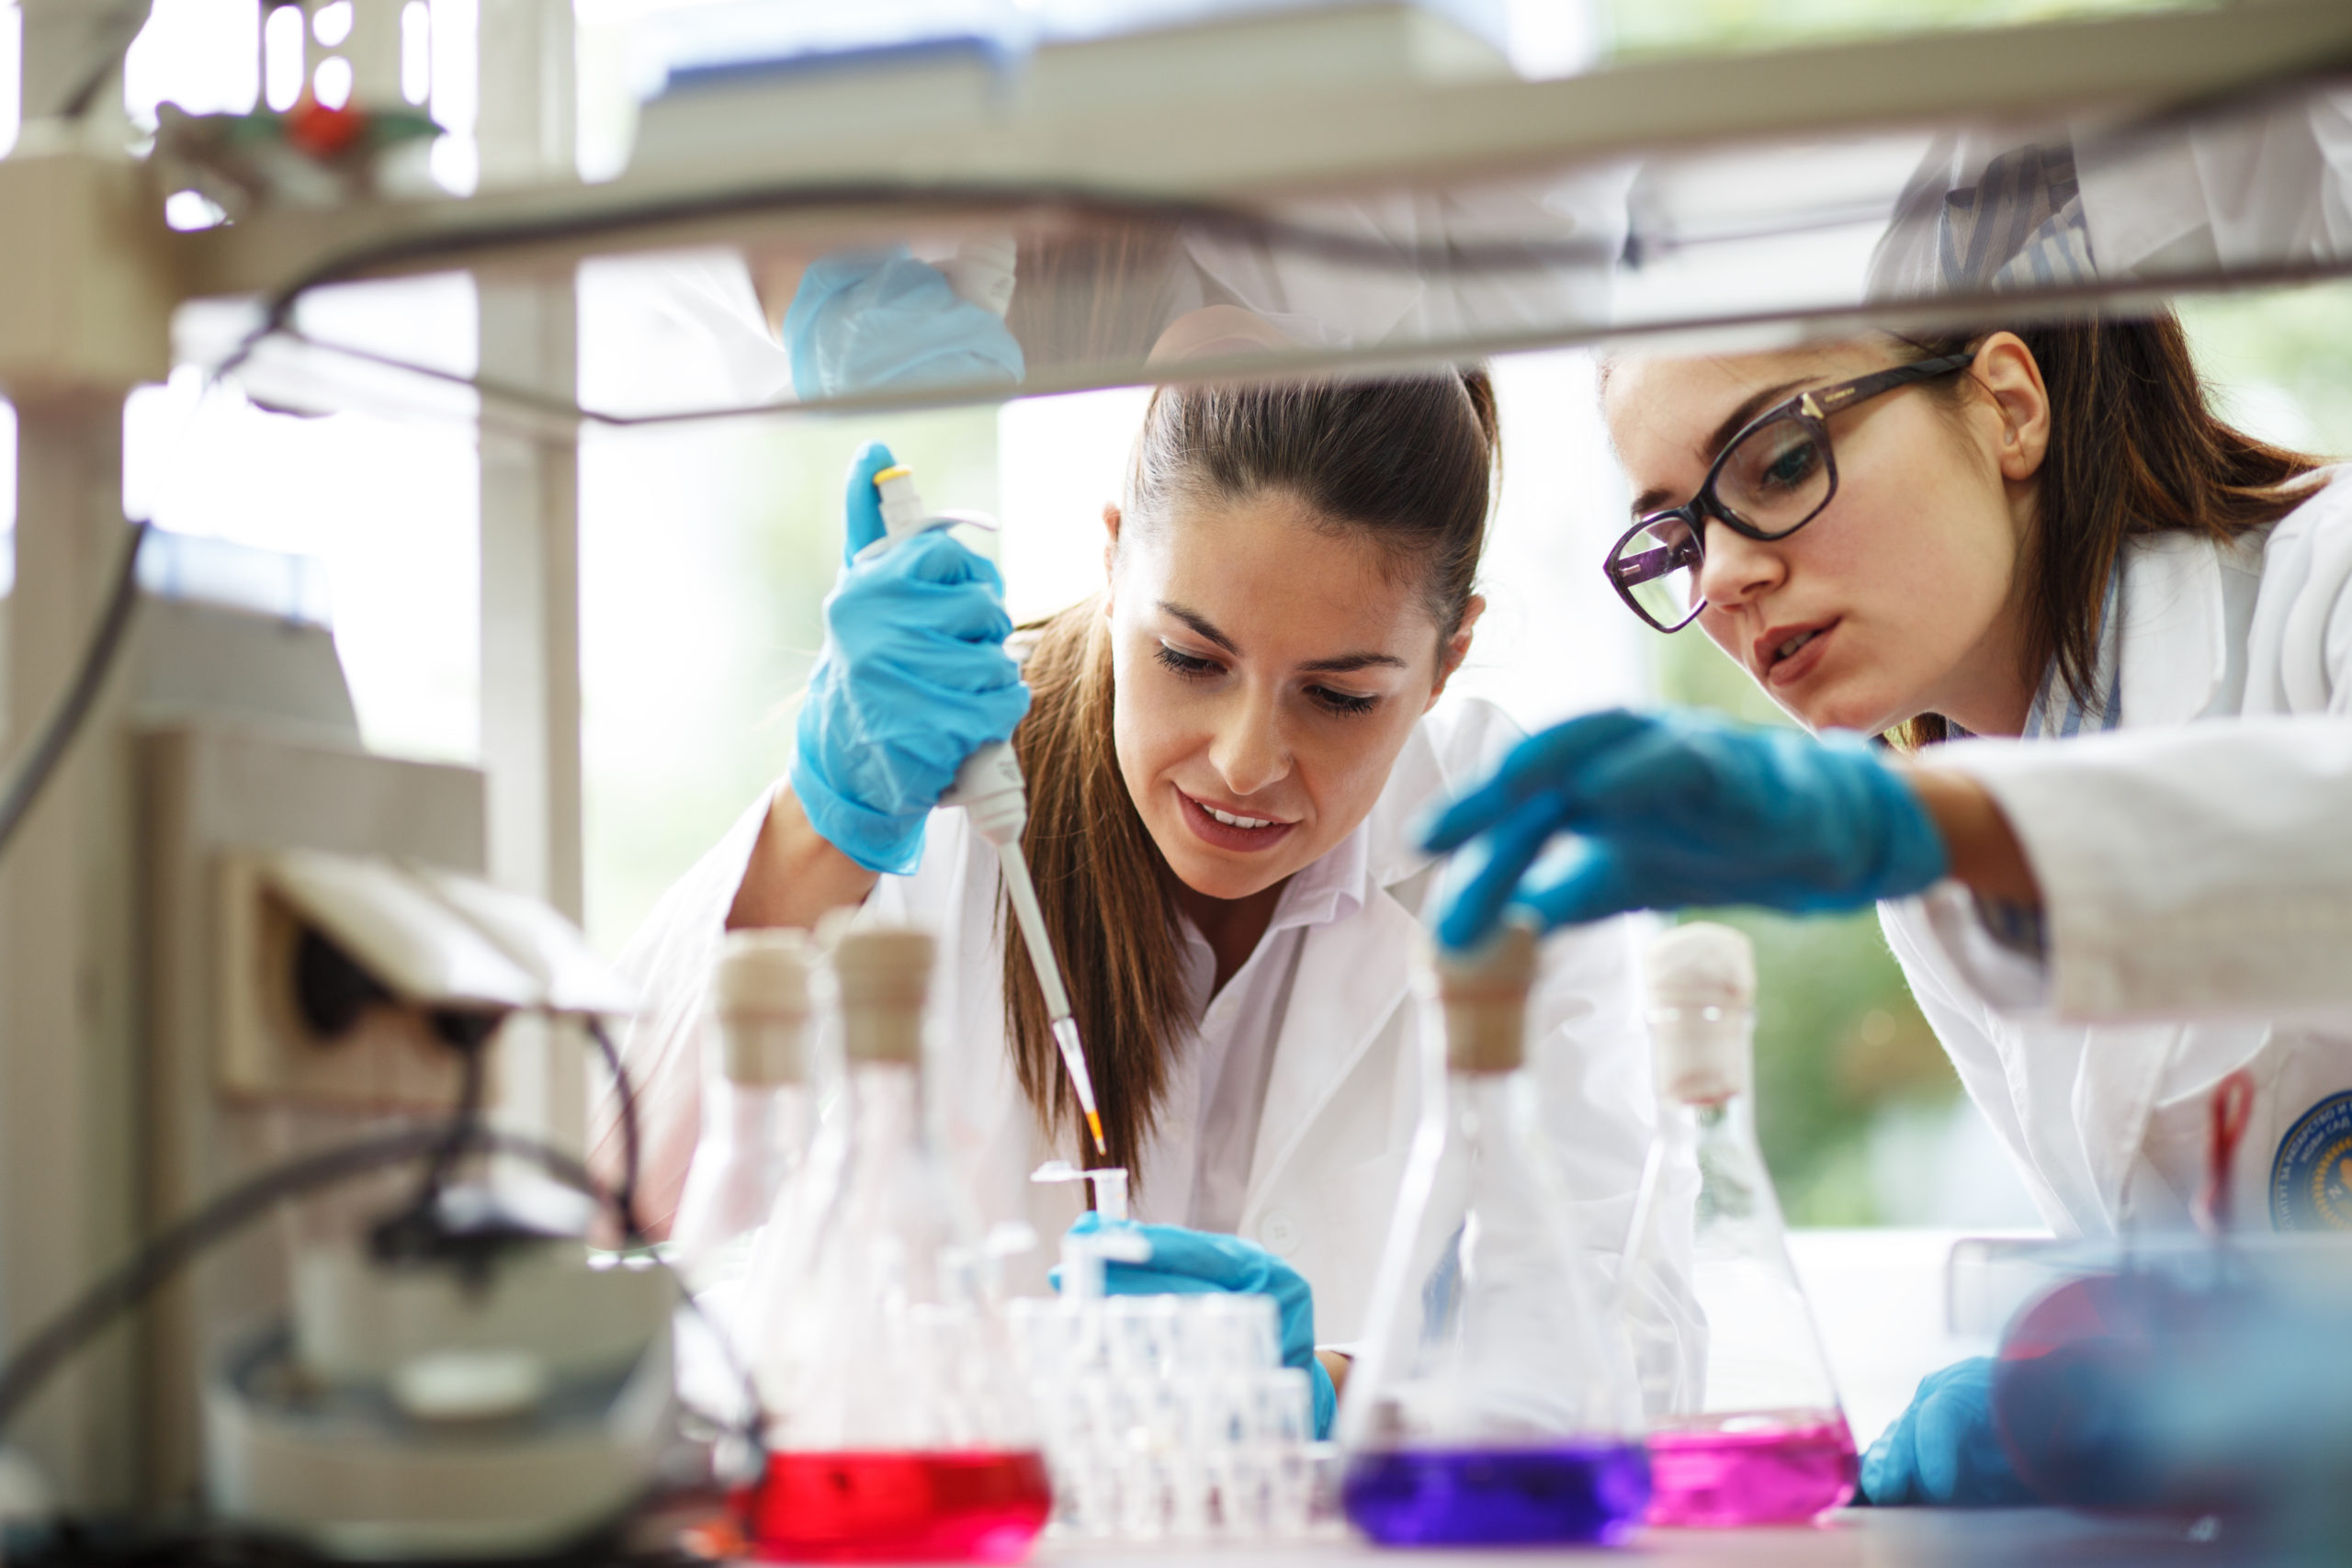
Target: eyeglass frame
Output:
[(1811, 408)]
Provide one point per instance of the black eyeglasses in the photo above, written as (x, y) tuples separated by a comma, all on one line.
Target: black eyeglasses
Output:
[(1772, 478)]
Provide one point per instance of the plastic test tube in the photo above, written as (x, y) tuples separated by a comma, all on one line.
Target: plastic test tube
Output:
[(990, 787)]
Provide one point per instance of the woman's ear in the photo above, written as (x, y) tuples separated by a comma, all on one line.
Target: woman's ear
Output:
[(1456, 648), (1111, 521), (2006, 369)]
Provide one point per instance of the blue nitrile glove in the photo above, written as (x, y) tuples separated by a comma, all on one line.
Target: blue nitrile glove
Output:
[(862, 320), (1943, 1450), (1679, 808), (913, 679), (1192, 1263)]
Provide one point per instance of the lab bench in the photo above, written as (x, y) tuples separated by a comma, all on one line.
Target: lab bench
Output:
[(1862, 1538)]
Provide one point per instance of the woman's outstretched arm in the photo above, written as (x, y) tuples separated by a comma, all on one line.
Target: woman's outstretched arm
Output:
[(795, 876)]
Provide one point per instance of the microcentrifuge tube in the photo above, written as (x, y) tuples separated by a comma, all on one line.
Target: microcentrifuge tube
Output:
[(1490, 1408), (1745, 1424)]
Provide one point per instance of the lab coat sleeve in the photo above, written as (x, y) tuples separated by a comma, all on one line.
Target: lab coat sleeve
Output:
[(2196, 871), (666, 1050)]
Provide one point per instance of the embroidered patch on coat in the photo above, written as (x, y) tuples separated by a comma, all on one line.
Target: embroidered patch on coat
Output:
[(2310, 1177)]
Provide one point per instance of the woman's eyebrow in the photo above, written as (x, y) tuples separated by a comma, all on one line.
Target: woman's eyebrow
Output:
[(1756, 402), (1200, 624), (1347, 661), (1338, 664)]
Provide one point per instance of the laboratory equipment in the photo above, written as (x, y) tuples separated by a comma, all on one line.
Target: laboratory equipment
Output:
[(1491, 1407), (1167, 1417), (2184, 1373), (453, 1379), (2162, 1375), (989, 786), (1745, 1424), (897, 1426), (757, 1116)]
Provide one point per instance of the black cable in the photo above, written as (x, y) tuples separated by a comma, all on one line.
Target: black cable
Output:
[(38, 762), (128, 1283), (625, 1195), (28, 1369)]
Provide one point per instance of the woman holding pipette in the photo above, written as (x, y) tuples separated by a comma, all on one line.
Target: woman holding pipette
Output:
[(2024, 536), (1224, 751)]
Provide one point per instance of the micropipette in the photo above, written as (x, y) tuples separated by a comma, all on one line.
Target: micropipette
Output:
[(989, 786)]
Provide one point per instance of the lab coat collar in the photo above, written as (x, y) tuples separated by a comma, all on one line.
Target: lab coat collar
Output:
[(1418, 782), (1331, 889), (1358, 969), (2174, 642), (1358, 972)]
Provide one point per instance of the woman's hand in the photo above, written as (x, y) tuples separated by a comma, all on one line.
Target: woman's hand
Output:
[(913, 679), (1191, 1262), (1679, 808), (862, 320), (1943, 1452)]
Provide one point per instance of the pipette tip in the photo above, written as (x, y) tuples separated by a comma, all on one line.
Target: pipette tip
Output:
[(1094, 1126)]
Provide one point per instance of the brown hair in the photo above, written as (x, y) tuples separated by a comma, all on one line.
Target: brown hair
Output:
[(1408, 462), (2135, 449)]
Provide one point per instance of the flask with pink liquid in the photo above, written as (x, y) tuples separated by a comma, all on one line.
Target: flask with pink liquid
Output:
[(1745, 1425)]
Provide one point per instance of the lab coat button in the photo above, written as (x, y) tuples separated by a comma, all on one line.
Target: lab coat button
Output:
[(1279, 1235)]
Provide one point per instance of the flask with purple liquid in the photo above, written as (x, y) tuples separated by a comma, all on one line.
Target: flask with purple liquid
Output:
[(1489, 1407), (1745, 1425)]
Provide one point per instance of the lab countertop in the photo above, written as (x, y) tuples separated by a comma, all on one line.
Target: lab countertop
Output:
[(1864, 1538)]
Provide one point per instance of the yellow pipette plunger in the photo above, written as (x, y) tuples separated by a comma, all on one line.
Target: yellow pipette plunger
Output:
[(989, 788)]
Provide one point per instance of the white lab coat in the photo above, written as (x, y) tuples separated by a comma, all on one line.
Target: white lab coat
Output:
[(2184, 875), (1345, 1085)]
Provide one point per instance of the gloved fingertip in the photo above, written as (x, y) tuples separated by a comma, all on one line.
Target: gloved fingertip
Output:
[(861, 504), (1443, 828), (1592, 888), (1465, 924)]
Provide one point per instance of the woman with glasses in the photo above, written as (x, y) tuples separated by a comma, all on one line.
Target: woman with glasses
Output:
[(2022, 535)]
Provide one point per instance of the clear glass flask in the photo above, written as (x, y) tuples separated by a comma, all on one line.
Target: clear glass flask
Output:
[(756, 1117), (1745, 1425), (1490, 1406), (899, 1429)]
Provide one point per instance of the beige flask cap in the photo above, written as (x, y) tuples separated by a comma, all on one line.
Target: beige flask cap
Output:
[(883, 975), (761, 994), (1484, 994), (1701, 983)]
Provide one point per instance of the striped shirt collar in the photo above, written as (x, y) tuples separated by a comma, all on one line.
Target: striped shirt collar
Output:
[(2057, 712)]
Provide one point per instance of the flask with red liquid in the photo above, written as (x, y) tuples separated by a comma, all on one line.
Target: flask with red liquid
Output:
[(1489, 1407), (1745, 1424), (898, 1429)]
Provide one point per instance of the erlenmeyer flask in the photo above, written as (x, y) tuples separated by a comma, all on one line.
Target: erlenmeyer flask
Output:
[(897, 1427), (1489, 1408), (756, 1121), (1745, 1424)]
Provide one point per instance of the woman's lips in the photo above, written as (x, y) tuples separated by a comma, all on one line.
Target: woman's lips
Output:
[(1798, 665), (1225, 835)]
